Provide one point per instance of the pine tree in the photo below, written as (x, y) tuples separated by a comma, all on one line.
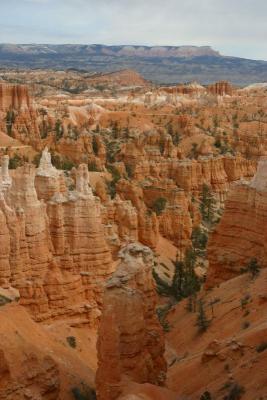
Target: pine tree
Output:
[(207, 204), (185, 282), (178, 280), (202, 321)]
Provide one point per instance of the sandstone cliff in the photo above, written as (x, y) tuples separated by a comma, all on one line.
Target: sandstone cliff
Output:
[(53, 247), (241, 234), (221, 88), (18, 117), (130, 342)]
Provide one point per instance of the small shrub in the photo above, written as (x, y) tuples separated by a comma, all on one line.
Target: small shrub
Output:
[(206, 396), (116, 176), (261, 347), (245, 325), (4, 300), (92, 167), (85, 393), (62, 164), (72, 341), (244, 301), (129, 170), (15, 162), (253, 267), (67, 165), (159, 205), (235, 392)]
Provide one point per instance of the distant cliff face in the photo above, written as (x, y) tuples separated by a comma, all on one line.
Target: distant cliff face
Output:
[(117, 51)]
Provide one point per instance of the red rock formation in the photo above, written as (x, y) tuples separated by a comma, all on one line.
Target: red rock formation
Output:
[(14, 97), (18, 117), (148, 229), (130, 342), (54, 253), (221, 88), (241, 234)]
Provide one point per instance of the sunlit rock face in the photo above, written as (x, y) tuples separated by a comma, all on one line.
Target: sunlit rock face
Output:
[(53, 247), (18, 115)]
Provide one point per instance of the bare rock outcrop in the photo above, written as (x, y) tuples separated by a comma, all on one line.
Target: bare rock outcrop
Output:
[(14, 97), (221, 88), (53, 247), (18, 116), (241, 234), (130, 343)]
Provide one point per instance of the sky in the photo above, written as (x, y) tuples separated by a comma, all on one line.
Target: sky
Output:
[(233, 27)]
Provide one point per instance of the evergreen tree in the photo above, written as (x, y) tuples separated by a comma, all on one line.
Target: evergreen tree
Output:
[(159, 205), (95, 145), (185, 282), (207, 204), (115, 130), (206, 396), (178, 280), (253, 267), (59, 129), (199, 238), (10, 119), (202, 321)]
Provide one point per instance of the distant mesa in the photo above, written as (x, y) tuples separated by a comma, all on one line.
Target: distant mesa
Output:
[(160, 64)]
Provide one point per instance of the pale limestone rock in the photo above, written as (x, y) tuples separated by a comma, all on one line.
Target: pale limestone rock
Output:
[(259, 182), (45, 167), (82, 181)]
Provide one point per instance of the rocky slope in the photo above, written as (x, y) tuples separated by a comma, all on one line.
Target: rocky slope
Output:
[(36, 362), (229, 358)]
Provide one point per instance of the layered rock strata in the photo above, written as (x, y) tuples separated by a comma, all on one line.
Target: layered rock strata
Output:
[(241, 234), (130, 342), (18, 116), (53, 247)]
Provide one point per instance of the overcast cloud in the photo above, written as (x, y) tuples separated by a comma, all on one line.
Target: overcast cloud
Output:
[(234, 27)]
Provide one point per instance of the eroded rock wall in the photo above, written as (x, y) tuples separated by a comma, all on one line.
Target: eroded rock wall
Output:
[(130, 342), (241, 234), (53, 247)]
